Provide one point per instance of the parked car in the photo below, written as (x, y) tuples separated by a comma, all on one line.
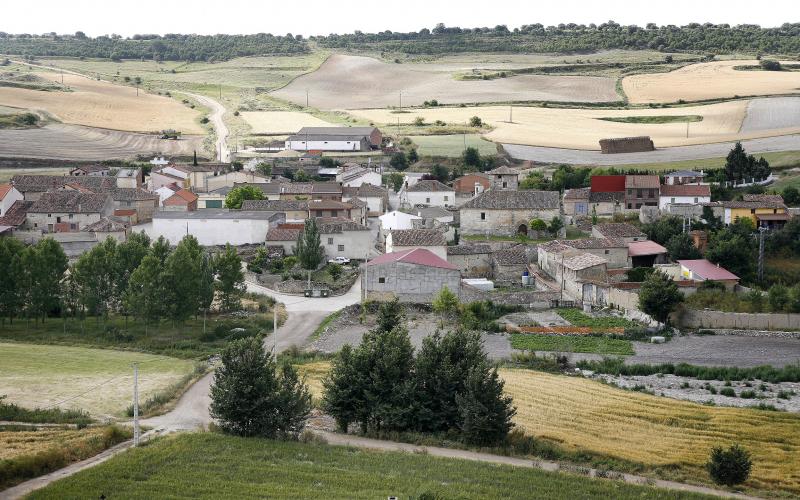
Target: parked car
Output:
[(339, 260)]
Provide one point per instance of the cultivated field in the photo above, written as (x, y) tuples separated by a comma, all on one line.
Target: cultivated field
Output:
[(586, 415), (99, 381), (452, 145), (280, 122), (583, 128), (58, 141), (100, 104), (711, 80), (772, 113), (379, 84), (18, 443)]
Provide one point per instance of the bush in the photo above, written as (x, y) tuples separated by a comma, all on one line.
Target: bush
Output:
[(729, 467), (475, 121), (770, 65)]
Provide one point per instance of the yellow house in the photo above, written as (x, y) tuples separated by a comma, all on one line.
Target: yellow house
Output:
[(763, 210)]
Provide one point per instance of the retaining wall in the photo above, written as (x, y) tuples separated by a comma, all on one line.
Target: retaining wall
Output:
[(692, 318)]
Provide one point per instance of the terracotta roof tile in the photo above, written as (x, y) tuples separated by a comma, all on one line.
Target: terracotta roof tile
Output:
[(619, 230), (418, 238), (686, 190)]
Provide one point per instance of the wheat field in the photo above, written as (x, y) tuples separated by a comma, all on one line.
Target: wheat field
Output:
[(18, 443), (711, 80)]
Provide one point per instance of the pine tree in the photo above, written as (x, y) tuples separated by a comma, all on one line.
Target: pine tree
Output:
[(484, 412), (230, 279), (308, 249)]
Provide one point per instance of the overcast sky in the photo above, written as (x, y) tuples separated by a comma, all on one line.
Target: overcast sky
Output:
[(319, 17)]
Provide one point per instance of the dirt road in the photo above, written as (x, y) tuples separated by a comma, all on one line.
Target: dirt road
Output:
[(217, 112)]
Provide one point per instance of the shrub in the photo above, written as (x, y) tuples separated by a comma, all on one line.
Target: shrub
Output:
[(475, 121), (538, 225), (748, 394), (728, 391), (770, 65), (729, 467), (335, 271)]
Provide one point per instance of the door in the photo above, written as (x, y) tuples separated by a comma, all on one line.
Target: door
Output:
[(601, 296), (581, 208)]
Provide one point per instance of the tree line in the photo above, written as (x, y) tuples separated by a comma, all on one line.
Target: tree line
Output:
[(171, 47), (149, 281)]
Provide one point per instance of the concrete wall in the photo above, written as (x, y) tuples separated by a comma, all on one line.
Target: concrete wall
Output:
[(690, 318), (212, 231), (500, 222), (473, 265), (355, 244), (408, 282), (433, 199), (331, 145)]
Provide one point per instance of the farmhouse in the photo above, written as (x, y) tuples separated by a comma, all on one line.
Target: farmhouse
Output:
[(356, 175), (181, 200), (507, 212), (335, 139), (67, 211), (295, 210), (216, 226), (703, 270), (472, 184), (330, 208), (626, 145), (683, 194), (474, 261), (504, 178), (406, 239), (8, 196), (641, 190), (428, 193), (142, 202), (376, 197), (578, 269), (618, 230), (415, 275)]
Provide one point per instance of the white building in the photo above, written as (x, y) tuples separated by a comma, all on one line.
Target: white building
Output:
[(430, 193), (683, 194), (335, 139), (432, 240), (357, 176), (397, 220), (216, 226), (376, 197), (340, 237), (8, 196)]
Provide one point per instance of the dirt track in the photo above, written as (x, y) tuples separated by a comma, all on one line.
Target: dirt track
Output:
[(60, 141), (333, 86)]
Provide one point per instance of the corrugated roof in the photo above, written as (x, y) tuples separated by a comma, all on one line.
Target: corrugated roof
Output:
[(707, 270), (607, 183), (337, 130), (647, 247), (686, 190), (417, 256)]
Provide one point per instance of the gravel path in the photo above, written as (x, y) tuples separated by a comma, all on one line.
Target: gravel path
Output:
[(217, 111), (581, 157)]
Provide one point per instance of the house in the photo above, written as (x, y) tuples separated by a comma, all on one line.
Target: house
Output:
[(646, 254), (509, 263), (703, 270), (340, 237), (618, 230), (181, 200), (580, 269), (435, 216), (474, 261), (684, 177), (472, 184), (583, 202), (129, 178), (504, 178), (166, 191), (329, 208), (208, 176), (211, 199), (376, 197), (93, 170), (576, 202), (429, 239), (498, 212), (295, 210), (428, 193), (216, 226), (355, 176), (397, 220), (216, 180), (33, 186), (683, 194), (8, 196), (68, 211), (764, 210), (298, 190), (144, 203), (167, 175), (614, 250), (335, 139), (359, 211), (109, 227), (641, 190), (415, 275)]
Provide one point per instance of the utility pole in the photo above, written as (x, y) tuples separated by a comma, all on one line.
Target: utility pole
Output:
[(275, 328), (220, 91), (761, 232), (136, 404), (306, 97), (401, 101), (687, 128), (511, 114), (137, 91)]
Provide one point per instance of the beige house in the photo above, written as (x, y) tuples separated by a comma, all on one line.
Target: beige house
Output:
[(68, 211), (498, 212)]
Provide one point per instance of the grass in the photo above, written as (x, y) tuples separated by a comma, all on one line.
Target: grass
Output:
[(578, 318), (617, 366), (218, 466), (96, 380), (16, 121), (325, 323), (654, 119), (781, 159), (10, 412), (570, 343), (452, 146), (29, 453), (185, 341)]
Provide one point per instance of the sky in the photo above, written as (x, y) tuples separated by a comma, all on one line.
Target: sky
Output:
[(321, 17)]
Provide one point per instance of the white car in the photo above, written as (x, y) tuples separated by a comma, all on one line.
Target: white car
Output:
[(339, 260)]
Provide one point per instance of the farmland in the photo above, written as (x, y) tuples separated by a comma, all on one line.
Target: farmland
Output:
[(712, 80), (380, 84), (451, 145), (280, 122), (570, 343), (40, 376), (216, 466)]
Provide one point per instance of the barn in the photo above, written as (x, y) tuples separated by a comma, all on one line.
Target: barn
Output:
[(335, 139)]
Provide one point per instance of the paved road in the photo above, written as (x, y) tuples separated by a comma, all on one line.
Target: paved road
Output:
[(582, 157), (217, 112)]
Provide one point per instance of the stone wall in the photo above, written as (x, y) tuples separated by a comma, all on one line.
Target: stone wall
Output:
[(477, 265), (691, 318), (535, 299), (500, 222)]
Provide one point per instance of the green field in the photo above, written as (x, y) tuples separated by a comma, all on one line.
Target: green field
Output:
[(452, 146), (570, 343), (215, 466), (781, 159), (578, 318)]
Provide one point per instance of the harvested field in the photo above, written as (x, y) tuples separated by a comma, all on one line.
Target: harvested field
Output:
[(101, 104), (583, 128), (39, 376), (280, 122), (713, 80), (17, 443), (771, 114), (586, 415), (451, 145), (379, 84), (74, 142)]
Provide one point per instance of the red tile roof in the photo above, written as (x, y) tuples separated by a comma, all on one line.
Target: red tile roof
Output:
[(419, 256), (608, 183), (639, 248), (4, 190), (686, 190), (185, 195), (705, 269)]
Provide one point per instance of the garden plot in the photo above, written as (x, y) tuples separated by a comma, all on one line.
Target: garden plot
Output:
[(713, 80), (280, 122), (582, 129), (378, 84)]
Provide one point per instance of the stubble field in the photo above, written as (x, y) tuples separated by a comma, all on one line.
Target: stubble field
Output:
[(280, 122)]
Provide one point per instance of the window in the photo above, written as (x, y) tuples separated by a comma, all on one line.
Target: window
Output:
[(752, 210), (49, 215), (630, 192), (445, 198), (70, 216), (636, 239), (330, 241), (505, 184), (695, 200), (427, 200), (341, 248), (58, 220), (673, 200), (606, 252), (630, 206), (381, 280), (483, 215)]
